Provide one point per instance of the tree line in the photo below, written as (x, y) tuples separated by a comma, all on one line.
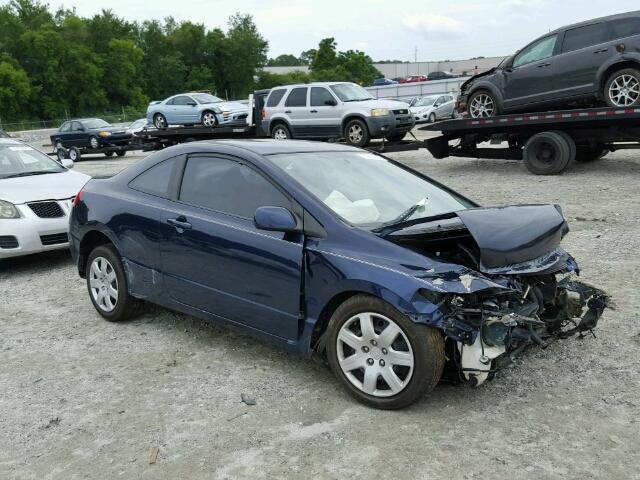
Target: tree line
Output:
[(55, 64)]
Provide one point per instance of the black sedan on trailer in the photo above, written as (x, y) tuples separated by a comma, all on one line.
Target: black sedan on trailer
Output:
[(91, 134)]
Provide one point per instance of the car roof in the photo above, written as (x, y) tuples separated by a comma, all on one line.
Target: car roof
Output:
[(85, 119), (634, 13), (311, 84), (269, 146)]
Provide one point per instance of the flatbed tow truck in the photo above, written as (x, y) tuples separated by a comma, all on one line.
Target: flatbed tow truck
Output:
[(547, 142)]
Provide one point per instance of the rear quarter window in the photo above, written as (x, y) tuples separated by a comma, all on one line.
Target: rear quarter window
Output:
[(159, 179), (583, 37), (275, 96)]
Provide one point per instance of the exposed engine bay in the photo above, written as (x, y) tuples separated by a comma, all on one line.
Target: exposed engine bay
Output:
[(516, 287)]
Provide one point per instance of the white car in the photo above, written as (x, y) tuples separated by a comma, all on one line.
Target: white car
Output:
[(36, 193), (137, 126), (432, 108)]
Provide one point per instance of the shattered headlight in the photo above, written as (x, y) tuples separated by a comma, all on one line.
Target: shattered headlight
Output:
[(8, 210)]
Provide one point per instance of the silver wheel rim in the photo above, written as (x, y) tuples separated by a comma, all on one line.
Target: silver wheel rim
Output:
[(481, 106), (104, 284), (432, 117), (159, 122), (375, 354), (94, 142), (280, 134), (72, 155), (208, 119), (59, 146), (624, 90), (355, 133)]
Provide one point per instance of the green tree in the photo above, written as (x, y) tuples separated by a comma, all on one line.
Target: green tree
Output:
[(307, 56), (270, 80), (325, 56), (15, 89), (286, 60), (122, 77)]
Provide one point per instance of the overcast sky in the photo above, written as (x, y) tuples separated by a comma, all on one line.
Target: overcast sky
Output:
[(385, 29)]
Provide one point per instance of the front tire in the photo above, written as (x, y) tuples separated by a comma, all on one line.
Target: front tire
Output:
[(623, 89), (482, 104), (107, 285), (356, 133), (432, 118), (209, 119), (381, 357), (109, 153)]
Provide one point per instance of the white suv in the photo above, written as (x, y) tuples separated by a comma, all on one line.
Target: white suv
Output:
[(334, 110)]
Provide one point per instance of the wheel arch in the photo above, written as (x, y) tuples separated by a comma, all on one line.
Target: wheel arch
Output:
[(608, 70), (494, 90), (353, 116), (278, 121), (91, 240)]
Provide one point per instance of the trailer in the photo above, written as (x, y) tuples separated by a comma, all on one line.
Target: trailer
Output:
[(547, 142)]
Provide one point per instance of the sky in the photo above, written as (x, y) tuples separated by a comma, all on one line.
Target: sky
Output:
[(384, 29)]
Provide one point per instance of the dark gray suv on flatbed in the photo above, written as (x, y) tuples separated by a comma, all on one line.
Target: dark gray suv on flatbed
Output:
[(586, 63)]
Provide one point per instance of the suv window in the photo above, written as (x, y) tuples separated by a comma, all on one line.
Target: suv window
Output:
[(583, 37), (228, 186), (180, 100), (624, 27), (157, 179), (65, 127), (297, 98), (319, 95), (275, 96), (539, 50)]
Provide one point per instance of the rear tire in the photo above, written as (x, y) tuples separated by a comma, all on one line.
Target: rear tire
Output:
[(622, 89), (418, 350), (356, 133), (107, 285), (280, 132), (548, 153)]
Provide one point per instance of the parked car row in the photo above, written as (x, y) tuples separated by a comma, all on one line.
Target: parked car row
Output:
[(414, 78), (432, 108)]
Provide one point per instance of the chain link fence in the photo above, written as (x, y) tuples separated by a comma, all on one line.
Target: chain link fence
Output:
[(124, 116)]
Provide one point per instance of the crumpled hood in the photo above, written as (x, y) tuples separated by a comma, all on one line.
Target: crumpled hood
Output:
[(53, 186), (509, 237), (230, 106), (464, 86)]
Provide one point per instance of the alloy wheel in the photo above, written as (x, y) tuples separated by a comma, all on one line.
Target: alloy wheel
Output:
[(482, 106), (624, 90), (374, 354), (355, 133), (280, 134), (159, 121), (104, 284), (209, 119), (93, 141)]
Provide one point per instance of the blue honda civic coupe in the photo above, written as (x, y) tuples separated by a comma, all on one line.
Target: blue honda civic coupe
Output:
[(393, 278)]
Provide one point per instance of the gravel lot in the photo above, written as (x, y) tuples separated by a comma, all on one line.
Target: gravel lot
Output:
[(84, 398)]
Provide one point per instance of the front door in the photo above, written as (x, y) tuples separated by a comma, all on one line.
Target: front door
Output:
[(530, 78), (213, 257)]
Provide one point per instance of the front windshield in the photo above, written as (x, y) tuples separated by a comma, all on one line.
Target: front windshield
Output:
[(206, 98), (93, 123), (350, 92), (366, 189), (425, 102), (18, 159)]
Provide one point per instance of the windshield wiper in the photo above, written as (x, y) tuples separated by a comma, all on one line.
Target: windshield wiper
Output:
[(400, 219), (28, 174)]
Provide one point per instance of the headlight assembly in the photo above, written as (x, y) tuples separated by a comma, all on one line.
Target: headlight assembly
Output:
[(104, 134), (379, 112), (8, 210)]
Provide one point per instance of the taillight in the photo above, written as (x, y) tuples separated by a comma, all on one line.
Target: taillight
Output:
[(78, 197), (263, 114)]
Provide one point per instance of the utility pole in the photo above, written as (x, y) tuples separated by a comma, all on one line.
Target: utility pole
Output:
[(415, 54)]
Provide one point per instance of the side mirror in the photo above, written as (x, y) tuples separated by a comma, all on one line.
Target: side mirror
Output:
[(275, 219), (193, 104), (436, 105), (330, 103), (67, 163)]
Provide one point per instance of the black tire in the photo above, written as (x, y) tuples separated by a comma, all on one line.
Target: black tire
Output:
[(209, 119), (427, 344), (281, 132), (58, 146), (587, 154), (159, 121), (62, 153), (548, 153), (432, 118), (109, 153), (121, 153), (126, 306), (486, 98), (356, 133), (74, 154), (572, 147), (397, 138), (609, 93)]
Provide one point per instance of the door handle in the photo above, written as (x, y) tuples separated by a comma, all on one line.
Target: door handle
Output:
[(602, 51), (314, 111), (287, 111), (544, 65), (179, 223)]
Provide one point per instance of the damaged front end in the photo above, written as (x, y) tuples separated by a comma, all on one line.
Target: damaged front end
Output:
[(505, 284)]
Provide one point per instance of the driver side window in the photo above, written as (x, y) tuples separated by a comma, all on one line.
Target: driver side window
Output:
[(536, 51)]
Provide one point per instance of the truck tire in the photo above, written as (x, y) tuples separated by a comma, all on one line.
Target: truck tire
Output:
[(356, 133), (622, 89), (386, 371), (548, 153)]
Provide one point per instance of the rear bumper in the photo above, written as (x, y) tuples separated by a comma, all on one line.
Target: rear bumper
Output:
[(32, 234)]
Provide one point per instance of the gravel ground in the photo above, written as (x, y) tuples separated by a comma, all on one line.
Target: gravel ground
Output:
[(84, 398)]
